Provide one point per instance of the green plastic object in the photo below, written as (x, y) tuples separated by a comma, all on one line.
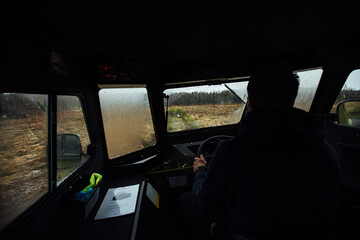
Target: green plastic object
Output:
[(94, 180)]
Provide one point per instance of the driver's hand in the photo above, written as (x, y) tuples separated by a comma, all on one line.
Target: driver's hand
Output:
[(199, 162)]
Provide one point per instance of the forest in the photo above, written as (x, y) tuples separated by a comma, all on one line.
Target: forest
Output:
[(348, 94), (203, 98), (226, 97), (13, 105)]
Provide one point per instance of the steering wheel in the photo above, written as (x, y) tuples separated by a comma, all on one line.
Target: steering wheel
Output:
[(204, 146)]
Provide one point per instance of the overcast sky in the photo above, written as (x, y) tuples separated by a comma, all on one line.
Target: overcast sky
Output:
[(310, 79), (353, 81)]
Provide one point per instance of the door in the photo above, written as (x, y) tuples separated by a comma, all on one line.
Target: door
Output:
[(344, 135)]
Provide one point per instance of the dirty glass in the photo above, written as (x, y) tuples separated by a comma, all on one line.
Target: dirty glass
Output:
[(349, 113), (72, 136), (198, 107), (308, 83), (127, 120), (23, 152), (350, 90)]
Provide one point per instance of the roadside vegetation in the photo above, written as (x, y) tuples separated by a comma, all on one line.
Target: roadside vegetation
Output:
[(183, 118), (24, 165)]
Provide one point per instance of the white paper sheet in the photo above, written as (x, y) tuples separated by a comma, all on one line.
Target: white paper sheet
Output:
[(118, 201)]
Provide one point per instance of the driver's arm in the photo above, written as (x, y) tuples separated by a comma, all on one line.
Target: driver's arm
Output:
[(211, 183)]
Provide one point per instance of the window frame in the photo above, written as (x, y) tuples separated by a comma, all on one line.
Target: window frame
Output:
[(88, 160), (53, 188), (219, 81), (340, 89), (210, 82), (52, 142), (319, 84), (138, 155), (336, 91)]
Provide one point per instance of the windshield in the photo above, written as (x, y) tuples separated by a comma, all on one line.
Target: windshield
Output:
[(190, 108), (127, 120)]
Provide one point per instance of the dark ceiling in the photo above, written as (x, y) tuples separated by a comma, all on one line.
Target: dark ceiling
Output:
[(202, 35), (206, 31)]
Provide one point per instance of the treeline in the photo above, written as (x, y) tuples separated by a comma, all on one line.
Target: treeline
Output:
[(348, 94), (202, 98), (17, 105), (68, 102), (13, 105)]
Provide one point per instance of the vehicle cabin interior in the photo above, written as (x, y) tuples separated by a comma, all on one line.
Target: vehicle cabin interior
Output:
[(133, 90)]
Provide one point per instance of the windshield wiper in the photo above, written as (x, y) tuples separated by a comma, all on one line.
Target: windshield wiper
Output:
[(233, 92)]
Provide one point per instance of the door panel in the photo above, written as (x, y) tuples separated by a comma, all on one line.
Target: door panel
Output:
[(346, 141)]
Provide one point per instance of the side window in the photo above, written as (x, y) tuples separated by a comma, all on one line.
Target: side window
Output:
[(24, 147), (350, 90), (189, 108), (24, 172), (347, 103), (308, 83), (127, 120), (72, 136)]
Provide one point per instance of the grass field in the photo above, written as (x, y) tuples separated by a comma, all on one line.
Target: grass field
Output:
[(24, 167), (183, 118), (23, 148), (349, 114)]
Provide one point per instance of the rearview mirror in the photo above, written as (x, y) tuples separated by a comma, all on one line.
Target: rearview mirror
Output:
[(69, 151), (349, 113)]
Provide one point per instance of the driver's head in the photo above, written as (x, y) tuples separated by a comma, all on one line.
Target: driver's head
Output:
[(272, 87)]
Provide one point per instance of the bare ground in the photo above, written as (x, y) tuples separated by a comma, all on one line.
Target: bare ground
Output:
[(23, 165), (23, 151), (210, 115), (24, 160)]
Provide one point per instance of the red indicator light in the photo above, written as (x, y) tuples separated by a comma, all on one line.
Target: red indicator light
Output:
[(107, 72)]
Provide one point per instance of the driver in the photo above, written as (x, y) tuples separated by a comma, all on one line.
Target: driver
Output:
[(278, 177)]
